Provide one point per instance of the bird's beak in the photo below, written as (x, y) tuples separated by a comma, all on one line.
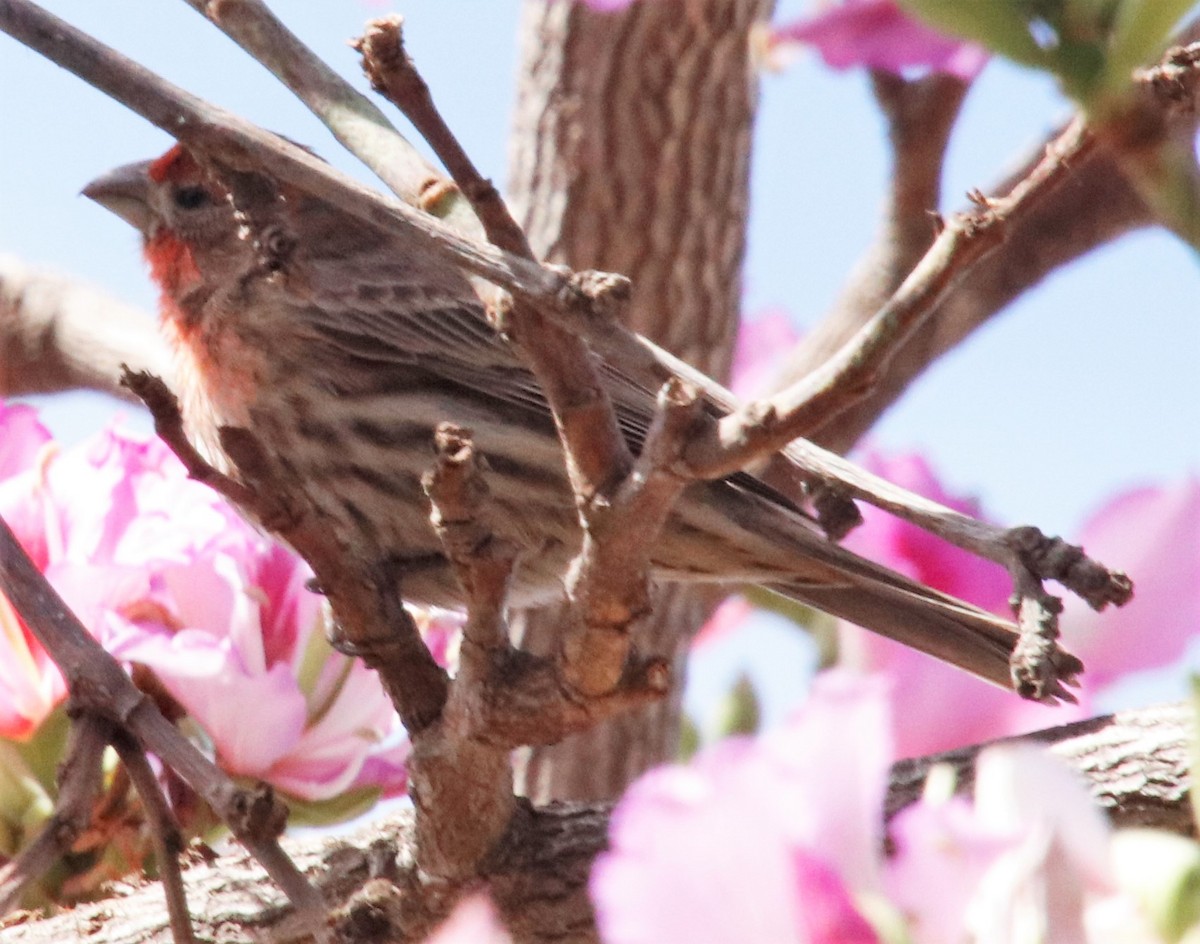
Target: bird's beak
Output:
[(126, 192)]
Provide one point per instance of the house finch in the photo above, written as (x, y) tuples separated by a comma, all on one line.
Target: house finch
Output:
[(341, 347)]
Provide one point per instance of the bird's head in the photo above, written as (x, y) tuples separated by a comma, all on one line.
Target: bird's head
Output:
[(183, 212)]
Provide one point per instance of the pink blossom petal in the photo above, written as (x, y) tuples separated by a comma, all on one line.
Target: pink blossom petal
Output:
[(30, 684), (877, 34), (846, 722), (289, 607), (329, 755), (1062, 853), (762, 340), (676, 837), (942, 851), (218, 599), (442, 632), (206, 676), (386, 769), (1154, 535), (22, 438), (736, 819), (473, 921), (827, 913)]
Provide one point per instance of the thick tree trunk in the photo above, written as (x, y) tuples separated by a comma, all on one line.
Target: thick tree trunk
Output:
[(631, 153)]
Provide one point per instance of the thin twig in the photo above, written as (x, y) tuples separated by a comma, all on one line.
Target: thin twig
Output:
[(597, 455), (164, 832), (79, 780), (849, 375), (392, 73), (349, 115)]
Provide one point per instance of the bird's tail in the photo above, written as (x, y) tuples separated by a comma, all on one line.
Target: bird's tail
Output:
[(780, 548), (925, 619)]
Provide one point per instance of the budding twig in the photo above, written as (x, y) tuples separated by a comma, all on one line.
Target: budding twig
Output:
[(849, 375), (164, 831), (597, 456), (352, 118)]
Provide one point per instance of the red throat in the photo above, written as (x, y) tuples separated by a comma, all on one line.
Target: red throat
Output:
[(173, 267)]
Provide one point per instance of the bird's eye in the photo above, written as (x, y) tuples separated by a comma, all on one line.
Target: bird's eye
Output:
[(191, 198)]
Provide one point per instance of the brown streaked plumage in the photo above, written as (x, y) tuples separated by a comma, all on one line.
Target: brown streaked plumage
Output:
[(342, 348)]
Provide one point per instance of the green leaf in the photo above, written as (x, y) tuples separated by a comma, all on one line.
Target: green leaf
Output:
[(739, 711), (1161, 871), (689, 739), (24, 802), (1003, 26), (1139, 34), (336, 809), (44, 750)]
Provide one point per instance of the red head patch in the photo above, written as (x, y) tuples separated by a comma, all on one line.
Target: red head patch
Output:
[(175, 164)]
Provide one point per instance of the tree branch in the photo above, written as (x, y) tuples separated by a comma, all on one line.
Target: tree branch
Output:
[(56, 334)]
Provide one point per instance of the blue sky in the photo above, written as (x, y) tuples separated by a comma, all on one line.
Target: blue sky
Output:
[(1086, 386)]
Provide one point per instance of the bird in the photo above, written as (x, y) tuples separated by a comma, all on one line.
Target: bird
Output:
[(341, 347)]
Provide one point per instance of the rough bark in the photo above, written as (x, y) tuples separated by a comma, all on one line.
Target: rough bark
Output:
[(630, 154)]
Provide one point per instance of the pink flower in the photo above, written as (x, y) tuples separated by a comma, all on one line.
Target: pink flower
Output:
[(754, 840), (778, 838), (22, 441), (879, 35), (1028, 858), (30, 684), (165, 574), (473, 921), (757, 354)]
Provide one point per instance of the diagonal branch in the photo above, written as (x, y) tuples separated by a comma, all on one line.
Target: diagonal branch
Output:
[(164, 831), (597, 455), (850, 374), (351, 117)]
